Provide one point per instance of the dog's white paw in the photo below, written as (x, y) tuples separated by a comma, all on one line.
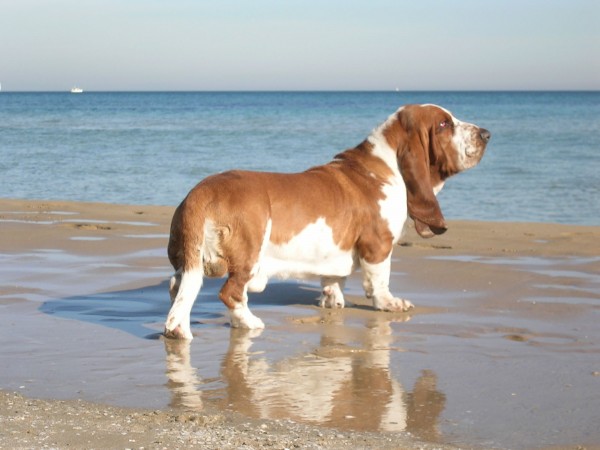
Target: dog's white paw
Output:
[(241, 317), (392, 304), (178, 332), (331, 298)]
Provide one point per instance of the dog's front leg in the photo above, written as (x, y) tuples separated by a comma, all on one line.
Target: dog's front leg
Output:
[(376, 281)]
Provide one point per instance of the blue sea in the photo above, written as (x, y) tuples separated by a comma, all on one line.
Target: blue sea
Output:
[(542, 164)]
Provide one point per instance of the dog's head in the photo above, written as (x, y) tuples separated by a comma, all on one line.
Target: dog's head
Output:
[(432, 145)]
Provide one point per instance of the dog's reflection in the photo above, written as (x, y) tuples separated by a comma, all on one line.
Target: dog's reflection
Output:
[(183, 379), (345, 383)]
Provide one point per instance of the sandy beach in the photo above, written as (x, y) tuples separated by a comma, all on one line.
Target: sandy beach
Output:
[(501, 351)]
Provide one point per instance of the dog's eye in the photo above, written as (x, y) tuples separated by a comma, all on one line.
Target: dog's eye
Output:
[(445, 124)]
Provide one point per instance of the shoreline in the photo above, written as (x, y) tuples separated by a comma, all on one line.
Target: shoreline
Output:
[(533, 283), (37, 423)]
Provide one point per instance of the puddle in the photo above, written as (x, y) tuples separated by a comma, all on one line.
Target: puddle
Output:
[(118, 222), (520, 261), (147, 236), (456, 370), (31, 217), (87, 238), (24, 221)]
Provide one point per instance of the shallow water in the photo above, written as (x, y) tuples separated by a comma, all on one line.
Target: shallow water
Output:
[(512, 364), (153, 147)]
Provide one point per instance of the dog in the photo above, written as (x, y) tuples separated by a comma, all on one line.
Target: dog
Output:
[(324, 222)]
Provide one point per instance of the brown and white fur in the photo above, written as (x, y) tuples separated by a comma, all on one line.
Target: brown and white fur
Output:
[(324, 222)]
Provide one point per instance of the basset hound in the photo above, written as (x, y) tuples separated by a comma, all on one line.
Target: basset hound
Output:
[(324, 222)]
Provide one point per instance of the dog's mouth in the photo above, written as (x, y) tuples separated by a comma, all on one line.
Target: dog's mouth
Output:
[(428, 231)]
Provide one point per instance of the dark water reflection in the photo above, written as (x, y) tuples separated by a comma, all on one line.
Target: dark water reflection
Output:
[(310, 365)]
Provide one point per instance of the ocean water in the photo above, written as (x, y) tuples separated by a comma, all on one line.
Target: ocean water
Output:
[(542, 164)]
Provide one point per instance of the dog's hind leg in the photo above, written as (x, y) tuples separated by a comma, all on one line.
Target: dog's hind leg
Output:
[(234, 294), (174, 285), (184, 288), (245, 270), (332, 296)]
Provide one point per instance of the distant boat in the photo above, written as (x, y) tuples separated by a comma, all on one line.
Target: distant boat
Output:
[(76, 90)]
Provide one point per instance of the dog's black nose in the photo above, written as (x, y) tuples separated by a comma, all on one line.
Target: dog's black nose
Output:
[(485, 134)]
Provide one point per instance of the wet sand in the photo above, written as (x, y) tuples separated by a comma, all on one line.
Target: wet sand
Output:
[(502, 350)]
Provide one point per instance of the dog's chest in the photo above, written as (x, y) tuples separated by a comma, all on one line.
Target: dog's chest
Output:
[(393, 207)]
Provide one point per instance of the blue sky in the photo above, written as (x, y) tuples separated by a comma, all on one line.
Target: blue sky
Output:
[(299, 44)]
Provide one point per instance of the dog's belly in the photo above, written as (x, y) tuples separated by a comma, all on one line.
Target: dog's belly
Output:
[(339, 265), (312, 252)]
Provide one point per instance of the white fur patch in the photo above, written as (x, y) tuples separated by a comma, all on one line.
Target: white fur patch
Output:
[(393, 206), (382, 149), (312, 252)]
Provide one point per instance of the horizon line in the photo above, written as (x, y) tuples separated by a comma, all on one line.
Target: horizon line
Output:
[(291, 90)]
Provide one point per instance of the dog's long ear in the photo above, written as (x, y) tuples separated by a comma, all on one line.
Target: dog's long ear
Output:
[(414, 162)]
